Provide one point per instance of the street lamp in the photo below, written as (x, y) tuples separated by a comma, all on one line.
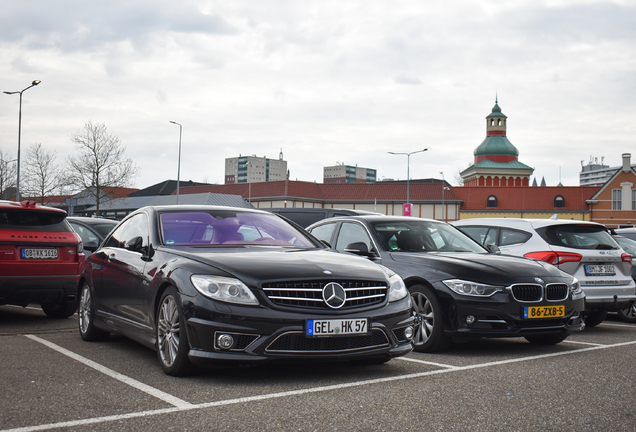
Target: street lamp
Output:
[(408, 164), (17, 183), (179, 162)]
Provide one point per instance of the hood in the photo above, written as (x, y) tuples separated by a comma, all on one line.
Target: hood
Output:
[(485, 268), (277, 264)]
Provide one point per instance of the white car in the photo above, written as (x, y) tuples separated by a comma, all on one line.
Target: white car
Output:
[(585, 250)]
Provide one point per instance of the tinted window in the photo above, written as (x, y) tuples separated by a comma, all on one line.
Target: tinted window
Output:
[(219, 227), (578, 236), (478, 233), (304, 219), (508, 237), (627, 244), (136, 226), (36, 220)]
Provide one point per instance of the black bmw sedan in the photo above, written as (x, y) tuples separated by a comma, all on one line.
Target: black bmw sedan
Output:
[(459, 289), (204, 284)]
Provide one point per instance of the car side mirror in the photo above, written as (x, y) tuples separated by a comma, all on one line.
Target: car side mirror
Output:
[(135, 244), (493, 248), (358, 248)]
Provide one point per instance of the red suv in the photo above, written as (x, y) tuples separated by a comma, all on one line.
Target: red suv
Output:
[(40, 256)]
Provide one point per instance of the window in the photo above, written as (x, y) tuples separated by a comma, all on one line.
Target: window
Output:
[(616, 199), (492, 202), (559, 201), (508, 237), (351, 233), (633, 199), (324, 232), (137, 226)]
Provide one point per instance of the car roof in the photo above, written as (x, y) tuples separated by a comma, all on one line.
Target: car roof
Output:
[(28, 205), (91, 220), (377, 218), (519, 222)]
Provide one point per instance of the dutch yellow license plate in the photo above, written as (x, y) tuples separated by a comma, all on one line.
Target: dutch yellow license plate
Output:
[(557, 311)]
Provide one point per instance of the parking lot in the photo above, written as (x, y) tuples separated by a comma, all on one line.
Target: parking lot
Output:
[(52, 380)]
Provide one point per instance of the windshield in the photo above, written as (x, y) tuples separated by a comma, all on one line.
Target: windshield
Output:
[(227, 227), (424, 236)]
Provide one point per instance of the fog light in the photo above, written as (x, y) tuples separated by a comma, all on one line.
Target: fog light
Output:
[(408, 333), (470, 319), (225, 341)]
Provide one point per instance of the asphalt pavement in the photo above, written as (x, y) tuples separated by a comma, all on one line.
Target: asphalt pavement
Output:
[(52, 380)]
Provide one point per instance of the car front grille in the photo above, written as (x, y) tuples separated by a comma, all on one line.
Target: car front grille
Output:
[(527, 293), (295, 342), (535, 293), (556, 292), (309, 294)]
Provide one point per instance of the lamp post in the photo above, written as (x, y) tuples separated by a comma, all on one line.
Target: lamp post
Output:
[(17, 183), (443, 188), (179, 161), (408, 164)]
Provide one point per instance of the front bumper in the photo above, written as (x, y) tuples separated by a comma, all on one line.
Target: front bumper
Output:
[(262, 334), (503, 316)]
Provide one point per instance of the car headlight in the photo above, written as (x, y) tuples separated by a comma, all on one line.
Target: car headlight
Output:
[(224, 289), (472, 288), (397, 288), (575, 287)]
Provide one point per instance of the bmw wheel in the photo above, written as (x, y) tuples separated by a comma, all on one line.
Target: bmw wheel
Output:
[(86, 313), (429, 329), (628, 314), (172, 340)]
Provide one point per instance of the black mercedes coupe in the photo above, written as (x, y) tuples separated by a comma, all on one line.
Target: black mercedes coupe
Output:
[(460, 289), (210, 285)]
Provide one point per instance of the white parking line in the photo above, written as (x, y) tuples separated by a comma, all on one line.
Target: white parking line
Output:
[(187, 406), (179, 403), (427, 362), (581, 343)]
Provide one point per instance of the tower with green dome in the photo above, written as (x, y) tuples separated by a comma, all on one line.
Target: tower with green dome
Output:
[(496, 159)]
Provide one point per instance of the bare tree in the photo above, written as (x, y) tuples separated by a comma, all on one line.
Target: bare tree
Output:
[(100, 164), (7, 175), (42, 174)]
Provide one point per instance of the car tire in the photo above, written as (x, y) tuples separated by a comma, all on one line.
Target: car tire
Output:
[(594, 318), (59, 310), (171, 336), (86, 314), (429, 329), (628, 314), (549, 339)]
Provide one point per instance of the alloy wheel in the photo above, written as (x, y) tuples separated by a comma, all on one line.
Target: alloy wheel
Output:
[(424, 316), (168, 331)]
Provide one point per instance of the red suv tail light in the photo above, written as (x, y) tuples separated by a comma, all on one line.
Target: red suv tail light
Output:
[(626, 258), (554, 257)]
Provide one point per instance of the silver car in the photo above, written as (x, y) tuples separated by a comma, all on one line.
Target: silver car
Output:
[(585, 250)]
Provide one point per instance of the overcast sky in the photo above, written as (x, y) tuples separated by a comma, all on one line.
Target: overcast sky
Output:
[(326, 81)]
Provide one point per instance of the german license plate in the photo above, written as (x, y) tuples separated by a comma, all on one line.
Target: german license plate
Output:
[(337, 327), (39, 253), (600, 270), (544, 311)]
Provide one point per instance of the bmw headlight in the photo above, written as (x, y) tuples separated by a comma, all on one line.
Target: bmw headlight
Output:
[(224, 289), (575, 287), (471, 288), (397, 288)]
